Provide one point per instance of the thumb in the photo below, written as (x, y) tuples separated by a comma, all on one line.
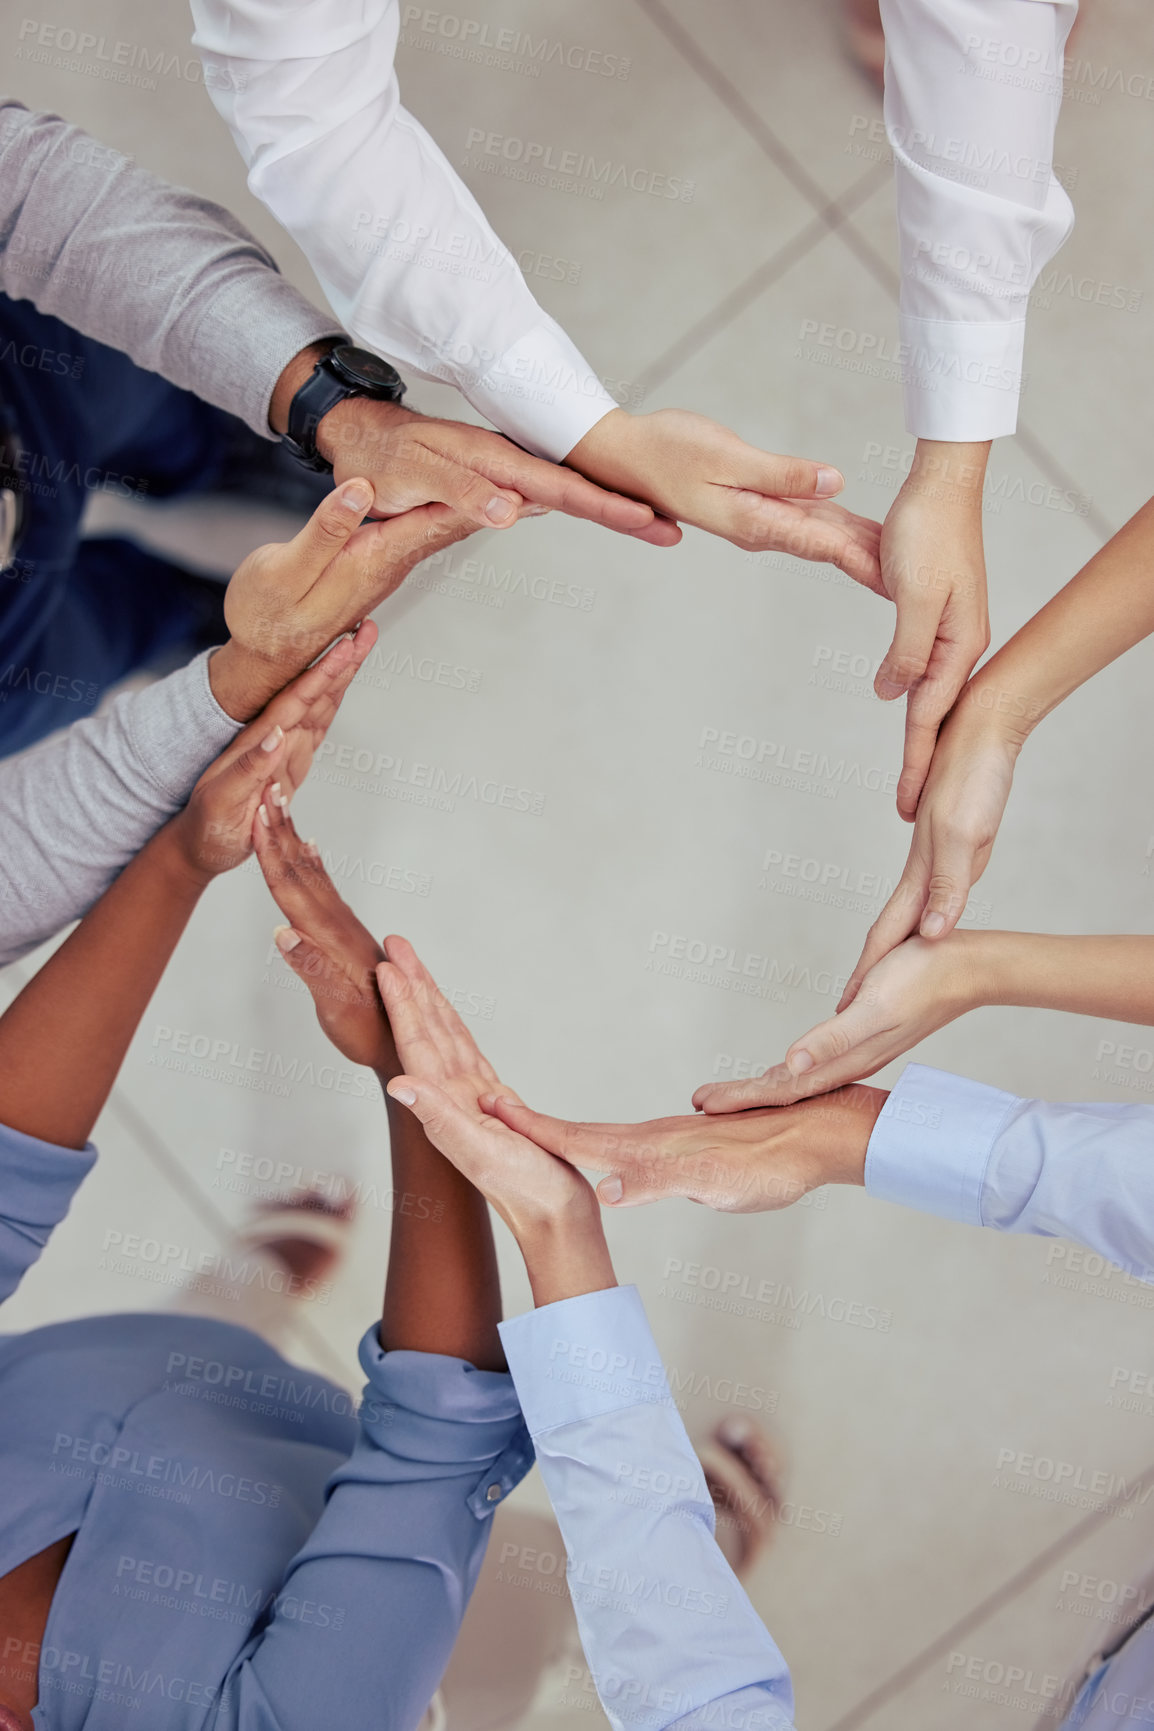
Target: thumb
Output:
[(445, 1124), (791, 477), (307, 960), (330, 526)]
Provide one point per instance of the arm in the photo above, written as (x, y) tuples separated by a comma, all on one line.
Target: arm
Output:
[(64, 1038), (442, 1292), (953, 1147), (207, 308), (972, 94), (76, 809), (1102, 612), (919, 987), (669, 1634), (315, 110)]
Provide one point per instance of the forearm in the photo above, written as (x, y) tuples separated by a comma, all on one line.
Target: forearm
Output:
[(566, 1254), (208, 309), (64, 1039), (443, 1290), (1088, 976), (77, 808), (1102, 612)]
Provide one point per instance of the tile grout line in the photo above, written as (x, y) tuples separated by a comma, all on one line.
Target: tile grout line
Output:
[(1003, 1595), (825, 209), (828, 220)]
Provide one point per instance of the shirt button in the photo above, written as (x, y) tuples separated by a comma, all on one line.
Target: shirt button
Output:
[(493, 1494)]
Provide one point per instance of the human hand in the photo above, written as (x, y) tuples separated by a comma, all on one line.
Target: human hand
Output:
[(695, 471), (324, 943), (287, 600), (744, 1164), (213, 833), (960, 809), (444, 1076), (933, 570), (908, 995), (415, 459)]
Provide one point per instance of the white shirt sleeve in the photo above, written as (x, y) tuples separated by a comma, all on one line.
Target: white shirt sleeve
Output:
[(400, 246), (973, 91), (1056, 1169), (671, 1639), (77, 807)]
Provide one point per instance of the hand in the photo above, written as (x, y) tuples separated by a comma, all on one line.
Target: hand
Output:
[(213, 833), (959, 812), (740, 1165), (933, 570), (444, 1076), (693, 470), (325, 944), (288, 600), (911, 992), (414, 459)]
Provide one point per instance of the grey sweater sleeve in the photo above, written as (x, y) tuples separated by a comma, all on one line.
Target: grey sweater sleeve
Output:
[(75, 809), (174, 281)]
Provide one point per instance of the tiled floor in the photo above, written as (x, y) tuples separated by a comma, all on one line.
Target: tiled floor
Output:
[(922, 1558)]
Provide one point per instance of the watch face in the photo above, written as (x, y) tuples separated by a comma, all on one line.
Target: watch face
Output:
[(360, 367)]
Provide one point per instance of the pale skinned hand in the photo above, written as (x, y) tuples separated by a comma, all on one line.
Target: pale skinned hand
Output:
[(213, 832), (913, 991), (413, 459), (444, 1074), (960, 810), (743, 1164), (324, 943), (933, 570), (694, 470), (288, 600)]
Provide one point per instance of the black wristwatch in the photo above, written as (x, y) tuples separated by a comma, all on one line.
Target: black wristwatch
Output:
[(345, 371)]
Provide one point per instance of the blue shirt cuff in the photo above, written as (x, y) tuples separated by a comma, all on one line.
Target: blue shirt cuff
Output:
[(932, 1143), (584, 1357)]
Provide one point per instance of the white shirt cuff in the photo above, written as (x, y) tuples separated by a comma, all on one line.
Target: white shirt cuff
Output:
[(932, 1143), (583, 1357), (961, 381), (542, 393)]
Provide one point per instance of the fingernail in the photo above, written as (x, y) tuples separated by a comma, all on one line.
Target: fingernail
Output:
[(610, 1190), (404, 1095), (536, 510), (829, 481), (285, 938), (357, 495), (500, 511), (933, 925), (800, 1063), (735, 1431), (263, 815), (276, 795), (887, 690), (273, 739)]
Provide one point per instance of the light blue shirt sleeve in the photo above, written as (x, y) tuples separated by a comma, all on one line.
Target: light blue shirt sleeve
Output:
[(953, 1147), (376, 1594), (671, 1639), (37, 1183)]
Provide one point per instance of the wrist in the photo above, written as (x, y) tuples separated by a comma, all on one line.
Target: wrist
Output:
[(292, 378), (949, 472), (840, 1148), (242, 683), (176, 863), (358, 436), (995, 706), (565, 1251)]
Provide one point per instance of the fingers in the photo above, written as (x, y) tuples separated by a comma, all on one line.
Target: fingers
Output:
[(293, 870), (662, 532), (788, 477), (930, 701), (952, 873), (562, 489), (326, 532), (718, 1097), (915, 633), (484, 502), (445, 1123), (599, 1146)]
